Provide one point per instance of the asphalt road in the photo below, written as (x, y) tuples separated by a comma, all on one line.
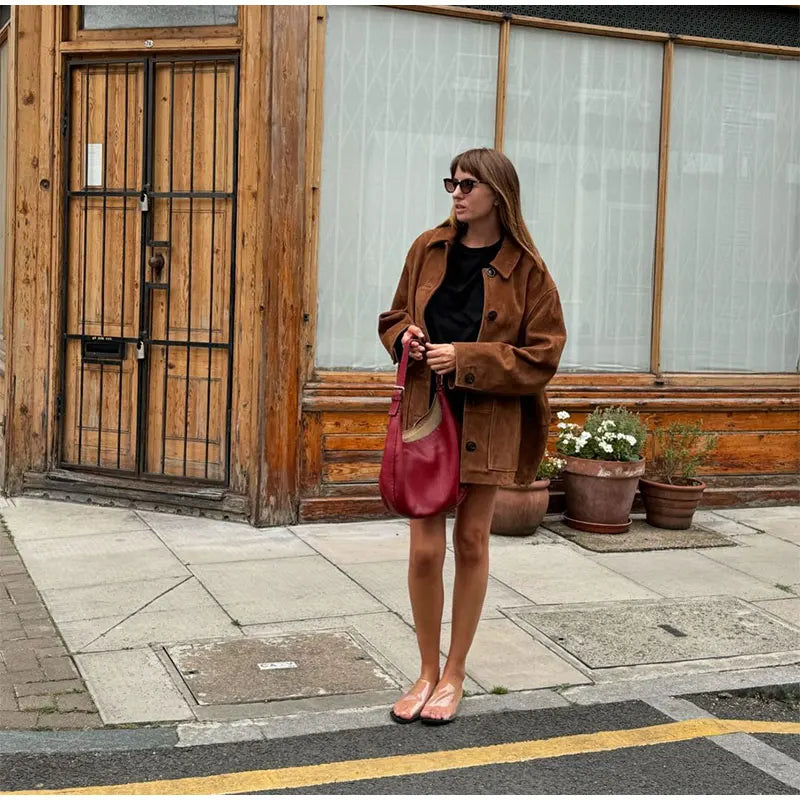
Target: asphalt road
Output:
[(691, 764)]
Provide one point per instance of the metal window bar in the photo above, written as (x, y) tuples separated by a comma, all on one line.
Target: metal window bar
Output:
[(124, 258), (85, 163), (103, 274), (144, 294), (232, 290), (189, 299), (169, 268), (211, 289)]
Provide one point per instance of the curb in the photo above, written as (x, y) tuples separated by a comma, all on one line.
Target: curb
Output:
[(194, 734)]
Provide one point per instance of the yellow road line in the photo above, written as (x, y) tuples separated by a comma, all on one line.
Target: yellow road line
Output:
[(438, 761)]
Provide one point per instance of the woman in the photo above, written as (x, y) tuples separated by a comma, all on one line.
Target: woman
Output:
[(476, 304)]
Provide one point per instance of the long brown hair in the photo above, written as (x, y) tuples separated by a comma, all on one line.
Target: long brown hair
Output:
[(495, 169)]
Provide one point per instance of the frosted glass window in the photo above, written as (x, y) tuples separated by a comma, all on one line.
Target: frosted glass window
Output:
[(404, 92), (144, 16), (582, 129), (732, 258)]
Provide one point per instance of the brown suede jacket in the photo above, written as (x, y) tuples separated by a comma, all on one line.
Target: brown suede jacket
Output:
[(506, 412)]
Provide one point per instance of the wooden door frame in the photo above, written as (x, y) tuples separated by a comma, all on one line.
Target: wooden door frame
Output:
[(265, 404)]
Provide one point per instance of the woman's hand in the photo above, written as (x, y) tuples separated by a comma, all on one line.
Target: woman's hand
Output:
[(416, 336), (441, 358)]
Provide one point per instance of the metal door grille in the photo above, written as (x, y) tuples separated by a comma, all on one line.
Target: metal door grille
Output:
[(149, 266)]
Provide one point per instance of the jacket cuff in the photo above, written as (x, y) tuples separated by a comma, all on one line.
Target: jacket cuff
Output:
[(465, 375), (390, 336), (398, 346)]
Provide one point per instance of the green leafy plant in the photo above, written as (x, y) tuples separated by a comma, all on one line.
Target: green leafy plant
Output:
[(609, 434), (499, 690), (550, 467), (680, 448)]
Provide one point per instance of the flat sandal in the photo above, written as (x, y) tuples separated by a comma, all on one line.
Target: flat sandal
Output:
[(445, 697), (421, 698)]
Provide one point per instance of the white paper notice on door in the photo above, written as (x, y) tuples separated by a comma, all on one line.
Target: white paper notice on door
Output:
[(94, 164)]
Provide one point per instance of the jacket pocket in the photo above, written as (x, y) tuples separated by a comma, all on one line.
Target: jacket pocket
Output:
[(504, 434)]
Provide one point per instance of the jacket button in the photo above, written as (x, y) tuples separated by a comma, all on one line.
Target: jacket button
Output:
[(491, 272), (492, 316), (471, 446), (469, 378)]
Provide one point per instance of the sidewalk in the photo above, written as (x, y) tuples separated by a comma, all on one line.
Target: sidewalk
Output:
[(209, 625)]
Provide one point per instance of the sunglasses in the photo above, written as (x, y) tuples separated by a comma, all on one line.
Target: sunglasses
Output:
[(466, 185)]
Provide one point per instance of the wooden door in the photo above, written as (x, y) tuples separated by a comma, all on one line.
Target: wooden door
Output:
[(148, 266)]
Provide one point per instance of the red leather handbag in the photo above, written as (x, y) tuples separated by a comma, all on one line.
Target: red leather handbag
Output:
[(421, 465)]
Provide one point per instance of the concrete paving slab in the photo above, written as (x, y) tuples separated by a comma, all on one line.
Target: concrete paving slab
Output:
[(728, 527), (786, 529), (684, 683), (553, 573), (388, 581), (132, 686), (357, 543), (108, 558), (766, 558), (283, 589), (756, 516), (278, 668), (503, 655), (166, 627), (647, 632), (32, 519), (788, 609), (540, 536), (198, 540), (111, 600), (77, 635), (676, 573)]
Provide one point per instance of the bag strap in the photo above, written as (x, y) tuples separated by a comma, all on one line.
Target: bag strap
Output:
[(400, 382)]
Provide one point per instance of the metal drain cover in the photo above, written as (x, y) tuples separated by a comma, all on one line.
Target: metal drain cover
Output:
[(649, 632), (254, 670)]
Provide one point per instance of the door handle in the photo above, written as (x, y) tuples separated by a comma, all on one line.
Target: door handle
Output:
[(156, 261)]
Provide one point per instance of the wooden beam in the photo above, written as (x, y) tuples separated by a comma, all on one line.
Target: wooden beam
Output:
[(138, 46), (313, 162), (31, 123), (283, 261), (744, 47), (661, 208), (502, 85), (247, 427)]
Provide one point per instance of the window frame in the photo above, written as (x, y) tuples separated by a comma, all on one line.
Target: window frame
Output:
[(76, 32), (655, 377)]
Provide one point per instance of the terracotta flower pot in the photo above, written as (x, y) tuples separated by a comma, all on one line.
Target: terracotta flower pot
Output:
[(599, 494), (670, 506), (519, 510)]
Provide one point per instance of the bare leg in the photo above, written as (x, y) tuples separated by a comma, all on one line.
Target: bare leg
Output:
[(426, 590), (471, 544)]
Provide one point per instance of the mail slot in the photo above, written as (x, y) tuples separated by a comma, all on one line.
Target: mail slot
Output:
[(103, 349)]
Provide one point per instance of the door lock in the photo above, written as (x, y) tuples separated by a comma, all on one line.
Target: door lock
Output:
[(140, 352), (144, 202)]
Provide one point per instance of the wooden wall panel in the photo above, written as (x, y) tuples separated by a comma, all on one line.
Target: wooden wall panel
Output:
[(283, 267), (757, 460), (29, 334)]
